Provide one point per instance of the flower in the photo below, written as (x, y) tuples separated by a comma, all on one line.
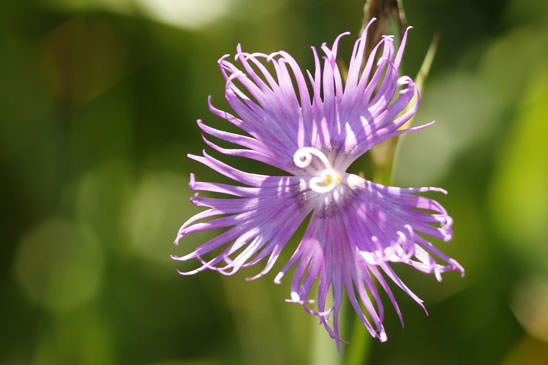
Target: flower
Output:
[(314, 130)]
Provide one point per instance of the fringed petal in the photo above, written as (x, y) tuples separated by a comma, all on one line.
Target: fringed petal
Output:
[(248, 238)]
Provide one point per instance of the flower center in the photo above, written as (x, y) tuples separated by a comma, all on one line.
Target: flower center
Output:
[(328, 177)]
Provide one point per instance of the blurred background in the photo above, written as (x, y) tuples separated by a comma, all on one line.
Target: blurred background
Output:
[(98, 102)]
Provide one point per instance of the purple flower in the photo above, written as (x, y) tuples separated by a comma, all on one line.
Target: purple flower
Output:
[(313, 127)]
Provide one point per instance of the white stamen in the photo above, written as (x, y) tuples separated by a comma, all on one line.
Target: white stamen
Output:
[(328, 178)]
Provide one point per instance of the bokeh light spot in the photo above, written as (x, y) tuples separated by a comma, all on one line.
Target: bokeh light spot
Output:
[(464, 113), (530, 305), (153, 215), (185, 13), (59, 264)]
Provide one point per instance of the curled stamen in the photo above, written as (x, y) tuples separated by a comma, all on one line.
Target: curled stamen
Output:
[(303, 157), (328, 178)]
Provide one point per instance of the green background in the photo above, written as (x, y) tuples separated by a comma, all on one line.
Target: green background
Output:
[(98, 102)]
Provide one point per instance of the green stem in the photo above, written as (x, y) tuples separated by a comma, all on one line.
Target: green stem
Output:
[(358, 350), (324, 350)]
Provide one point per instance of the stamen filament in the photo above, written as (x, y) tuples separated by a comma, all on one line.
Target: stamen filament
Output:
[(328, 178)]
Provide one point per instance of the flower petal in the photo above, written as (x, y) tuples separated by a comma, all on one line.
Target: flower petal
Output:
[(258, 224)]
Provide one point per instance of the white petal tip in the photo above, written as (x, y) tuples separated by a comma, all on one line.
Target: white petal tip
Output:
[(383, 337), (278, 278)]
